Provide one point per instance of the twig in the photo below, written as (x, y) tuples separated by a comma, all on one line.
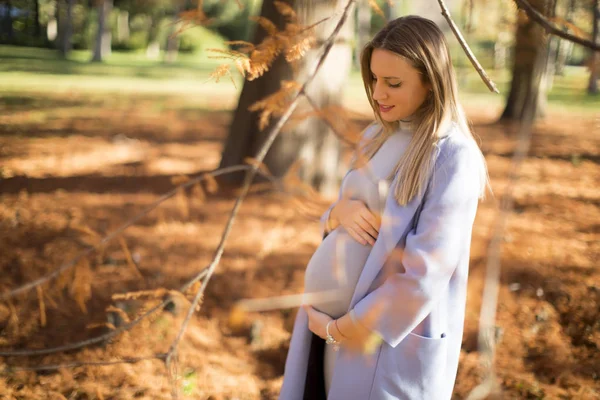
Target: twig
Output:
[(538, 17), (491, 85), (172, 353), (52, 367), (119, 230)]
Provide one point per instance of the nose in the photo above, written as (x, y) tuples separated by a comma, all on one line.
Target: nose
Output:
[(379, 91)]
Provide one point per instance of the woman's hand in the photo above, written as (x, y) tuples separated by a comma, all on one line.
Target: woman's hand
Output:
[(317, 321), (358, 220), (350, 335)]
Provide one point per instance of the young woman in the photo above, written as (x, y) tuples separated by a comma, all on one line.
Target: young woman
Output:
[(396, 243)]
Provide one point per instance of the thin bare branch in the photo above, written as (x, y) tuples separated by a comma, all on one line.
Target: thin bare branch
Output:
[(250, 176), (552, 29), (486, 79)]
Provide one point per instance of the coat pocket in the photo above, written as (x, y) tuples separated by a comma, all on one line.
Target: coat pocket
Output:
[(413, 370)]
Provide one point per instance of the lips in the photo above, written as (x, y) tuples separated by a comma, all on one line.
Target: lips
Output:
[(384, 109)]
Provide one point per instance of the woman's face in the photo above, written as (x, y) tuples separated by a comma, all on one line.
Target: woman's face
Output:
[(397, 86)]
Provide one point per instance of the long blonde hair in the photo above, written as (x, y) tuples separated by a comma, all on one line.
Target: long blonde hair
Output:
[(422, 44)]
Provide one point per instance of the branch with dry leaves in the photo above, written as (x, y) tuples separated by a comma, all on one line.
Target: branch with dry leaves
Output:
[(552, 29)]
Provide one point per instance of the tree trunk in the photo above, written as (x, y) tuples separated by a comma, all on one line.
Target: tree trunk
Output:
[(389, 9), (172, 46), (153, 48), (9, 33), (37, 27), (311, 139), (245, 138), (123, 26), (595, 56), (65, 28), (531, 48), (103, 37)]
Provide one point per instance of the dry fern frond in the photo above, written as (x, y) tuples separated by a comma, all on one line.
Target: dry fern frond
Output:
[(226, 54), (298, 49), (376, 8), (276, 103), (286, 10), (266, 24), (81, 288), (245, 47), (221, 71)]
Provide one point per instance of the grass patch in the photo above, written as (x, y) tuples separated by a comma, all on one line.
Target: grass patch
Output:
[(37, 71)]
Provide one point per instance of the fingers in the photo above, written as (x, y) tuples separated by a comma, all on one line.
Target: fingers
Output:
[(371, 218), (360, 235), (367, 227)]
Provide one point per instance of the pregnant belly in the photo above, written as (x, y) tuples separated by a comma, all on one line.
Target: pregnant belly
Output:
[(333, 272)]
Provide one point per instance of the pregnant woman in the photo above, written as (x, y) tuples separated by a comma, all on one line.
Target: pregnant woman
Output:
[(393, 263)]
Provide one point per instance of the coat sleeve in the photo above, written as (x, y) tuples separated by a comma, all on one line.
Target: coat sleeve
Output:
[(432, 251)]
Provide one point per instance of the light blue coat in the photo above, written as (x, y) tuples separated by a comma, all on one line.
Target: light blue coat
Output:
[(423, 297)]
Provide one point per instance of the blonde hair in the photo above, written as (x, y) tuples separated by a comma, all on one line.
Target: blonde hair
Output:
[(422, 44)]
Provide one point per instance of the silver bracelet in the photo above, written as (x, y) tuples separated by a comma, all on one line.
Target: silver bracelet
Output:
[(330, 339)]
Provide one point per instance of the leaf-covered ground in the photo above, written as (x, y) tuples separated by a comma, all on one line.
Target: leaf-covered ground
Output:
[(74, 167)]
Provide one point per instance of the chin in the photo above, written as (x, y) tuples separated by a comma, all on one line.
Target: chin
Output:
[(388, 118)]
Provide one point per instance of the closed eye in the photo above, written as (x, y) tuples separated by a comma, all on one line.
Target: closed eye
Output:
[(394, 86)]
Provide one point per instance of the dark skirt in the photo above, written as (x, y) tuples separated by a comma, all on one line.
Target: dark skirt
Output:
[(314, 386)]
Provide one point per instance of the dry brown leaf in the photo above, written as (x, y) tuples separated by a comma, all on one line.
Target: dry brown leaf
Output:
[(179, 179), (128, 257), (151, 294), (42, 305), (211, 183), (182, 203), (198, 194), (119, 311), (81, 287)]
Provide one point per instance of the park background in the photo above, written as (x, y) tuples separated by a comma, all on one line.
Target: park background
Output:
[(106, 106)]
